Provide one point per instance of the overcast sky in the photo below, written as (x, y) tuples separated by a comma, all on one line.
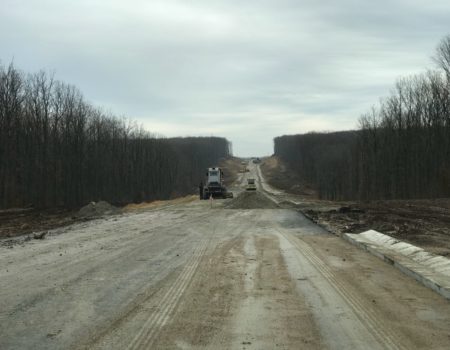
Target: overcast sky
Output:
[(247, 70)]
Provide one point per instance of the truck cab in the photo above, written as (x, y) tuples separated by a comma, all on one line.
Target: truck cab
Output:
[(214, 175), (214, 185)]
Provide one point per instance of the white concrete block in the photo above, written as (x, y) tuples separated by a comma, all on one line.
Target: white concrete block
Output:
[(431, 270)]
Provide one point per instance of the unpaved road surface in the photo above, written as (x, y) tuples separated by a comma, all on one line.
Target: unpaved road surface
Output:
[(205, 275)]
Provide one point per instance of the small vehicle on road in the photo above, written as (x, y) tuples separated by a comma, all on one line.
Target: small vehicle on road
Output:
[(250, 185)]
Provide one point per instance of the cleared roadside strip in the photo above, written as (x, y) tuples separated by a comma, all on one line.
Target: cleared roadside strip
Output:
[(431, 270), (153, 325), (367, 315)]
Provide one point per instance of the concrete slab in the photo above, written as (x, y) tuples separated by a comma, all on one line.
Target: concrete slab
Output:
[(431, 270)]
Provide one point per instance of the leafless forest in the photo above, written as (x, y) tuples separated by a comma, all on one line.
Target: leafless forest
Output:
[(401, 149), (57, 150)]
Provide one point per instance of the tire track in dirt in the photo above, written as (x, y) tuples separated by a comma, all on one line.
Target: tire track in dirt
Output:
[(141, 309), (202, 320), (367, 315), (150, 329)]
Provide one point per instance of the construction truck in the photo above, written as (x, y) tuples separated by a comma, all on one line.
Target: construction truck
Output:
[(214, 185)]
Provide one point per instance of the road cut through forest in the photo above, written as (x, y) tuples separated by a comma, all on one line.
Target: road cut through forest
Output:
[(235, 274)]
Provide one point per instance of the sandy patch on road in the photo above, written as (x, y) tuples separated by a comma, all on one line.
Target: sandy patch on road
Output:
[(155, 204)]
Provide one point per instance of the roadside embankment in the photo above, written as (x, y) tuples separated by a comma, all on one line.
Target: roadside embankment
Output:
[(230, 167), (280, 176), (424, 222)]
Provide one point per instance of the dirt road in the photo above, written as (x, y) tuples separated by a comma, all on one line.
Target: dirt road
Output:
[(192, 276)]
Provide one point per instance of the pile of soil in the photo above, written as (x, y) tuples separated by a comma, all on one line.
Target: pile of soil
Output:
[(252, 200), (94, 209)]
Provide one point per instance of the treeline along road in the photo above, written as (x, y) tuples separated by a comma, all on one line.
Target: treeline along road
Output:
[(401, 150), (56, 149)]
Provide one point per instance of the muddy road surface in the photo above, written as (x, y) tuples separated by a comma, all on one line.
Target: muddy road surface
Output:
[(205, 275)]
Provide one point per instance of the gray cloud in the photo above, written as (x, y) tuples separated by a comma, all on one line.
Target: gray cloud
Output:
[(247, 70)]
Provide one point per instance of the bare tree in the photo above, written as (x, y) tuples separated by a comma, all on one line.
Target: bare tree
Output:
[(442, 57), (401, 150)]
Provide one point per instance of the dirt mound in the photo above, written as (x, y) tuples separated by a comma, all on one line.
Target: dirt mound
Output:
[(94, 209), (252, 200)]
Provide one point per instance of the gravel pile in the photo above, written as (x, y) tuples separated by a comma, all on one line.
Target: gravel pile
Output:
[(252, 200), (95, 209)]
